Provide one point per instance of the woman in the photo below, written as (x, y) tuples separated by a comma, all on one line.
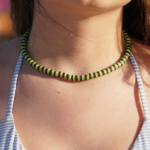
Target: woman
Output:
[(77, 37)]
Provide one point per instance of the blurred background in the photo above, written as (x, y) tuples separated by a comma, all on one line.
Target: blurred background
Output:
[(6, 30)]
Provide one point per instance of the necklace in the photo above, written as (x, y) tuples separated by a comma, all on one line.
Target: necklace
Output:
[(75, 77)]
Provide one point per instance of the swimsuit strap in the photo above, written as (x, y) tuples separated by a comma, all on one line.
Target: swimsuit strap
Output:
[(141, 87), (13, 85)]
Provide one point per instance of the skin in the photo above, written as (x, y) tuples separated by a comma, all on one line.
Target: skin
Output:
[(51, 113)]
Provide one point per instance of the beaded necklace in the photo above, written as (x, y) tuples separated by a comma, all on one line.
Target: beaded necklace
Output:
[(75, 77)]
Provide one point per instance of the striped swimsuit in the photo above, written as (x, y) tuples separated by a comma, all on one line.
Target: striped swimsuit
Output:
[(9, 139)]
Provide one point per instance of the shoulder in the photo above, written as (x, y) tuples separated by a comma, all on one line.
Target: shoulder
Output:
[(9, 53)]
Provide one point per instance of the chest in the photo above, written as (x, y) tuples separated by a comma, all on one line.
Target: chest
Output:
[(87, 116)]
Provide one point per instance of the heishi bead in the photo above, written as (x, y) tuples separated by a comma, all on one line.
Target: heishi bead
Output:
[(44, 70), (108, 70), (33, 64), (78, 78), (74, 78), (56, 74), (96, 74), (69, 78), (83, 77), (37, 66), (52, 73), (101, 73), (48, 71), (87, 77), (65, 76), (61, 74), (41, 68)]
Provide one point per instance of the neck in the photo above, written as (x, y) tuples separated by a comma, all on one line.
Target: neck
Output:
[(80, 44)]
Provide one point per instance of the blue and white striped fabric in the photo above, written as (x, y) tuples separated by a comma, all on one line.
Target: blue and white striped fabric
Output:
[(143, 140), (9, 139)]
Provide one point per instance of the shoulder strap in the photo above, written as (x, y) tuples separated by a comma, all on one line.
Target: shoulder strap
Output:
[(13, 85), (141, 87)]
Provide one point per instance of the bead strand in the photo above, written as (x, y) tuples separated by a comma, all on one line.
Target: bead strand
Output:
[(75, 77)]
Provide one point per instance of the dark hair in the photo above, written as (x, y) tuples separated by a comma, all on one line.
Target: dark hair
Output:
[(135, 18), (21, 13)]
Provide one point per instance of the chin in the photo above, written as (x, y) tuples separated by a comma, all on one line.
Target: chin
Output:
[(88, 3), (102, 4), (91, 3)]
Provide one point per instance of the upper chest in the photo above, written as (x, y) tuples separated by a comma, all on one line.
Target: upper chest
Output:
[(65, 116)]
